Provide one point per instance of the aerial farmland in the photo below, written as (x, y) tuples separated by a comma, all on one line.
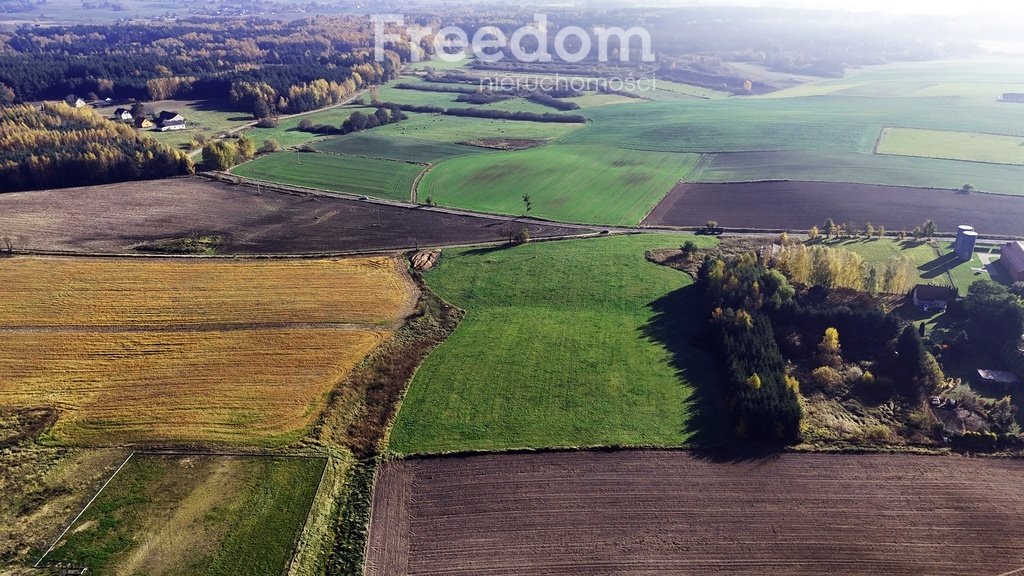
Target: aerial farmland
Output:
[(289, 290)]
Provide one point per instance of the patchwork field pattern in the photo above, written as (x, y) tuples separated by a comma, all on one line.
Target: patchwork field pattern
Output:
[(186, 350), (641, 513), (970, 146), (589, 184), (200, 515), (348, 174)]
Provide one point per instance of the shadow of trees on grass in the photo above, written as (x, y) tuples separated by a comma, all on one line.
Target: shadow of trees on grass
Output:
[(677, 324)]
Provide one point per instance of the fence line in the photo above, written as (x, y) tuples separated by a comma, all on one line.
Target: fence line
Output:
[(95, 496)]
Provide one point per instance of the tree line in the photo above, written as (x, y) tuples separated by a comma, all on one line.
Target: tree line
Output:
[(59, 146), (297, 65), (490, 113)]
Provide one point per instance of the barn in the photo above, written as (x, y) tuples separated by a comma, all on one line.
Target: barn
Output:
[(928, 297), (1012, 260)]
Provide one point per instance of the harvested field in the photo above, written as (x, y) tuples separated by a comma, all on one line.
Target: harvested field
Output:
[(800, 205), (75, 292), (677, 513), (189, 350), (119, 217)]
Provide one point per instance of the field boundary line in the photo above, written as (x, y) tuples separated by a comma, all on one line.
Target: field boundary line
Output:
[(300, 540), (87, 505), (1017, 571)]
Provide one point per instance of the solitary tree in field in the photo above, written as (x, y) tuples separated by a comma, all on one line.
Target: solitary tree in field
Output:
[(966, 189), (813, 233), (880, 232), (869, 231), (711, 225), (527, 204)]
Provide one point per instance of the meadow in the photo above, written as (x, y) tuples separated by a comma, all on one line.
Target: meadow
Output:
[(189, 351), (288, 134), (570, 343), (824, 166), (348, 174), (200, 515), (827, 123), (969, 146), (588, 184), (396, 148), (456, 129)]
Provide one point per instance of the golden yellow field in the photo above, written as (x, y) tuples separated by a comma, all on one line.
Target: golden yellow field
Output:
[(189, 351), (161, 292)]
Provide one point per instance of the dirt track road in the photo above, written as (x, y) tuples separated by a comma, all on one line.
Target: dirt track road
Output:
[(645, 513)]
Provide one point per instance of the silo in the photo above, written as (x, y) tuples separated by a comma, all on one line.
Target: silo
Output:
[(966, 238)]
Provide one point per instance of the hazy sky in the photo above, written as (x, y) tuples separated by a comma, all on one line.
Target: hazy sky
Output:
[(900, 6)]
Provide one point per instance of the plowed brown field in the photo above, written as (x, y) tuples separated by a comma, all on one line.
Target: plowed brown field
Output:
[(117, 218), (640, 513), (800, 205)]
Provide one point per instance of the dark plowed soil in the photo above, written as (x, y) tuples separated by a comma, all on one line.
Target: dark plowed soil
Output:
[(800, 205), (643, 513), (119, 217)]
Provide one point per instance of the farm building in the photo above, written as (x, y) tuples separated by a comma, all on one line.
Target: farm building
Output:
[(928, 297), (170, 121), (123, 114), (143, 122), (966, 239), (79, 103), (1013, 97), (1000, 377), (1012, 258)]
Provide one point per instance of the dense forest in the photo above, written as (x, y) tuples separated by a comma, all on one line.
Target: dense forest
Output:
[(293, 66), (58, 146)]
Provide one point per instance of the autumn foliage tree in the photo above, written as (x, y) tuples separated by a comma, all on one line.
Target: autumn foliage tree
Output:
[(59, 146)]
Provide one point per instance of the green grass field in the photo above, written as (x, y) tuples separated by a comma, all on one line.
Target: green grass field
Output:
[(396, 147), (456, 129), (982, 79), (970, 146), (419, 97), (591, 184), (288, 135), (564, 344), (348, 174), (593, 100), (199, 515), (833, 123), (861, 169)]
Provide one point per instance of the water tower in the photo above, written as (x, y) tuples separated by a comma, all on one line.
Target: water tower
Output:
[(966, 238)]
